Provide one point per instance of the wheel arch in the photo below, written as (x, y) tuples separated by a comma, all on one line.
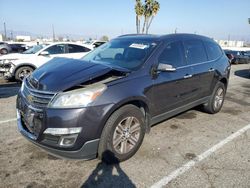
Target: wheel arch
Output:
[(22, 65), (139, 102), (224, 81)]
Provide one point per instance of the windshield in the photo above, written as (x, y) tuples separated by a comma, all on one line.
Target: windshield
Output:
[(34, 49), (125, 53)]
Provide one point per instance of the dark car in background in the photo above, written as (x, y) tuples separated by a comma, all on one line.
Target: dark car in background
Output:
[(102, 106), (230, 56), (4, 48), (239, 57), (17, 48)]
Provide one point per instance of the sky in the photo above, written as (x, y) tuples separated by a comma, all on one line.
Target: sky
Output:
[(219, 19)]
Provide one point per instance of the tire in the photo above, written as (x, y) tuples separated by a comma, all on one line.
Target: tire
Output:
[(216, 100), (23, 72), (118, 142), (4, 51)]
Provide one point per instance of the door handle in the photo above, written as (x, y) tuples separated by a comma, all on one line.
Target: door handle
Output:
[(188, 76), (211, 70)]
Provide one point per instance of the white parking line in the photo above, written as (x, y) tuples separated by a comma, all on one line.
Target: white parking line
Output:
[(165, 180), (7, 120)]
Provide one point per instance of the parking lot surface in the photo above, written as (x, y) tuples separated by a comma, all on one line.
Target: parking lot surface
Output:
[(185, 142)]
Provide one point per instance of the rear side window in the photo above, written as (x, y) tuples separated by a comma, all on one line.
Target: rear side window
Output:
[(195, 51), (213, 50), (77, 49), (172, 54), (56, 49)]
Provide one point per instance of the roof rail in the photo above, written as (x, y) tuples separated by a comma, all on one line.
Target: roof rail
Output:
[(127, 35)]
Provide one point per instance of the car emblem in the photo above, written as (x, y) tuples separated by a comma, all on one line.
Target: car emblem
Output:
[(30, 98)]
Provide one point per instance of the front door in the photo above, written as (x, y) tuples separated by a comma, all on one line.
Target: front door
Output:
[(57, 50), (176, 88)]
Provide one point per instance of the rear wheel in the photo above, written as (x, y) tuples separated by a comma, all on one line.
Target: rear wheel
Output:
[(23, 72), (122, 135), (216, 101), (3, 51)]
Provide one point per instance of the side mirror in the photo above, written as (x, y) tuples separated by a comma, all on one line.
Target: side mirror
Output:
[(165, 68), (44, 53)]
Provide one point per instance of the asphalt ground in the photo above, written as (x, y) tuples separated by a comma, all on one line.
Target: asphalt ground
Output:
[(193, 149)]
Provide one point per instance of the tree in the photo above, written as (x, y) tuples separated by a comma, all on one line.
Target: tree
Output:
[(154, 10), (148, 10), (104, 38), (139, 10)]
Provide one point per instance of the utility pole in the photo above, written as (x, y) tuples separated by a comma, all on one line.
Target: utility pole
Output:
[(53, 33), (175, 31), (11, 35), (5, 33), (228, 39), (249, 21)]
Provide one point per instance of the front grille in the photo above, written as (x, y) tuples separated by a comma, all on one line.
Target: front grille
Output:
[(36, 98)]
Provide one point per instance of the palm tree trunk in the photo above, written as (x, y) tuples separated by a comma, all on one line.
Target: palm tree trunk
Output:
[(149, 24), (144, 24), (137, 24)]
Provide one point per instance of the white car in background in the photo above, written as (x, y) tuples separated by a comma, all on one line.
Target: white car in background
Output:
[(20, 65)]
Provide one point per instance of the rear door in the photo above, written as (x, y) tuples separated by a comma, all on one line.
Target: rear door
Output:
[(76, 51), (172, 89), (202, 69)]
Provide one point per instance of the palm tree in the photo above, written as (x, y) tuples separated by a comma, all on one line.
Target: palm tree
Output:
[(154, 10), (139, 10), (148, 10), (147, 13)]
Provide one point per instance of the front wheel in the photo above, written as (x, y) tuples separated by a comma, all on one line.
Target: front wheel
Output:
[(122, 135), (216, 100), (23, 72)]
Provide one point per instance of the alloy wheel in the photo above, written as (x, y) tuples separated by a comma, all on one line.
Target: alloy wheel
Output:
[(126, 135), (24, 73), (218, 99)]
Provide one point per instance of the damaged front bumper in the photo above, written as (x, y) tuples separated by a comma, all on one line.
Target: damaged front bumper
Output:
[(6, 70), (34, 126), (87, 151)]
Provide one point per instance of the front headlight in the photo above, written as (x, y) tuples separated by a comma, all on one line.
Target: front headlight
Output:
[(8, 61), (78, 97)]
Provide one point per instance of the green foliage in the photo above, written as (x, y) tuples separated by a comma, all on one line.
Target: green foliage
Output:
[(20, 40), (104, 38)]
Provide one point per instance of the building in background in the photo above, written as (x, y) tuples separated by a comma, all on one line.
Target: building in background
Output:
[(230, 43), (1, 37), (23, 38)]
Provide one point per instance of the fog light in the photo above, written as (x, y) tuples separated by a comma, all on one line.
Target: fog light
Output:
[(67, 141), (62, 131)]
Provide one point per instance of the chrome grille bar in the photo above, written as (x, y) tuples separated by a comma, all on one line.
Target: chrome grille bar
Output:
[(36, 98)]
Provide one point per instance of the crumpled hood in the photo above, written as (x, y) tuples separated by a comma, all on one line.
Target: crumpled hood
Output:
[(61, 74), (15, 56)]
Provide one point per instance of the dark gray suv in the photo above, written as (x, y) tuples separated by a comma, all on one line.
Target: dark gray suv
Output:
[(106, 102)]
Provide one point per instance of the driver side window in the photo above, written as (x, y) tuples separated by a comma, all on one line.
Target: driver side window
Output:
[(172, 54)]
